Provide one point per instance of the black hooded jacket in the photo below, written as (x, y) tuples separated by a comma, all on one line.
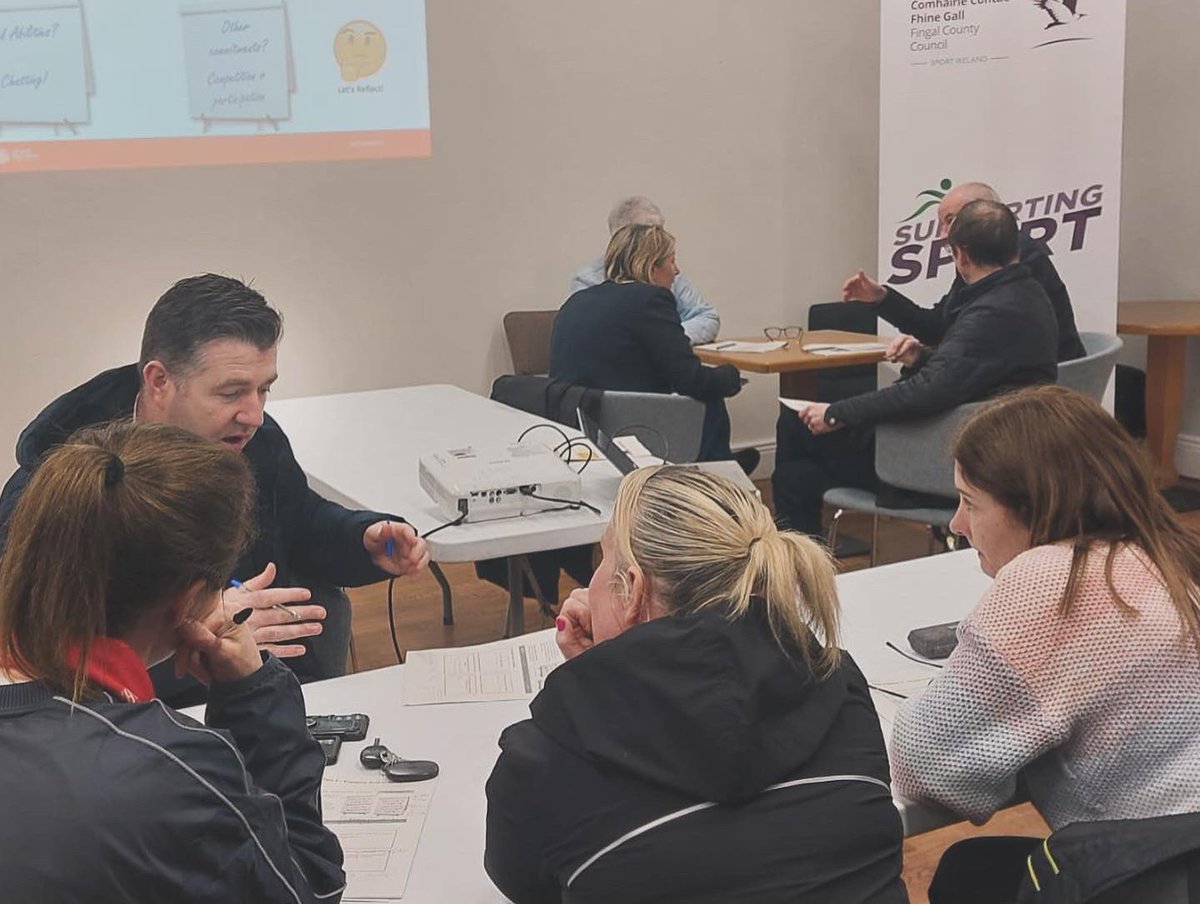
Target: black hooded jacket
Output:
[(310, 539), (698, 717)]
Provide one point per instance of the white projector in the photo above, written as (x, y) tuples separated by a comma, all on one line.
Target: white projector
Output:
[(502, 482)]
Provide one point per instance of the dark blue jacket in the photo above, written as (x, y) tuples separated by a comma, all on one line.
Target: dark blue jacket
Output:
[(628, 337), (133, 802), (310, 539)]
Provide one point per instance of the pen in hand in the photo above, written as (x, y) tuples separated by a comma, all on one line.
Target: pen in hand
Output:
[(290, 613), (389, 543), (240, 619)]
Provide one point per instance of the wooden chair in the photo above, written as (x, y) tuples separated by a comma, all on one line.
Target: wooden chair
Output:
[(528, 335)]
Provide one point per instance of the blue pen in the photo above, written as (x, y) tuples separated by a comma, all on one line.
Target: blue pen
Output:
[(390, 546), (237, 585)]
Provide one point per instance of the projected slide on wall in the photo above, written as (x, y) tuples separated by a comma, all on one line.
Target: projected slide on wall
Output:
[(96, 84)]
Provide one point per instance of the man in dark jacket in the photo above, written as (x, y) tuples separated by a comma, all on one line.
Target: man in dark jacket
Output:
[(208, 361), (1000, 333), (928, 325)]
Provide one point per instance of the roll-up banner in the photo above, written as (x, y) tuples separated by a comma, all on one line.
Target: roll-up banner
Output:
[(1025, 95)]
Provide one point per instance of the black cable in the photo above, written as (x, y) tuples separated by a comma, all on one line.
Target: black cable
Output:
[(884, 690), (392, 622), (933, 665), (455, 523), (392, 580), (567, 442), (569, 446), (566, 503)]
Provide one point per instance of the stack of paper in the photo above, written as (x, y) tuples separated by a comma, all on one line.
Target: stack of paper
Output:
[(753, 347), (797, 405), (843, 348), (513, 669), (379, 824)]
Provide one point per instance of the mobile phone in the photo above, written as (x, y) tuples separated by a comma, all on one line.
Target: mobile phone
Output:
[(935, 641), (352, 727), (331, 746)]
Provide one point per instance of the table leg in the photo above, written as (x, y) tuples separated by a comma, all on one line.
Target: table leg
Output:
[(514, 623), (799, 384), (1165, 360)]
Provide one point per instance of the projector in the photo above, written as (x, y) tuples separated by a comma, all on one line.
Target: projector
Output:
[(486, 484)]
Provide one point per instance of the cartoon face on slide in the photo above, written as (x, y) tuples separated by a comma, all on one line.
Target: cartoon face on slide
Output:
[(360, 50)]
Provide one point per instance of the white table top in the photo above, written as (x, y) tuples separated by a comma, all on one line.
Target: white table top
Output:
[(878, 604), (362, 449)]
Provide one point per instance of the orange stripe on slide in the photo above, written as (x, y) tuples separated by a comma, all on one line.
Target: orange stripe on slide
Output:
[(207, 150)]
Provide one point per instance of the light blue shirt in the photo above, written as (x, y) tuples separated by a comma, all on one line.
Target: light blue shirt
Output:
[(700, 319)]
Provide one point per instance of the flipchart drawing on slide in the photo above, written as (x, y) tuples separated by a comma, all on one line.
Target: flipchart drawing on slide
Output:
[(46, 76), (239, 63)]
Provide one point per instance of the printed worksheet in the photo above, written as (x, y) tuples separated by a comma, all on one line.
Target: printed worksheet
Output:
[(513, 669), (379, 824)]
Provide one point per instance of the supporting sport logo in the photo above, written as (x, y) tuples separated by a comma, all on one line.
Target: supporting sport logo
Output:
[(1059, 219)]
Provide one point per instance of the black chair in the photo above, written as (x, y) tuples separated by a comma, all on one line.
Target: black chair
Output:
[(852, 317)]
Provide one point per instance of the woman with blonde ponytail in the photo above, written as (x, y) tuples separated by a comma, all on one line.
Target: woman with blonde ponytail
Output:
[(706, 740)]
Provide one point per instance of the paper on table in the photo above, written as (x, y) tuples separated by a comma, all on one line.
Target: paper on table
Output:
[(379, 824), (843, 348), (753, 347), (800, 405), (513, 669)]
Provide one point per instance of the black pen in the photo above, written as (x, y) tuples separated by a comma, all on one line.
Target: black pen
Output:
[(226, 629)]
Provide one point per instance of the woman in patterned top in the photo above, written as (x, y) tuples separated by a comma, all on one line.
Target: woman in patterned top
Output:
[(1079, 670)]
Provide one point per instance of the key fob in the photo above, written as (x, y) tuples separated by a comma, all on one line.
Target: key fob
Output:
[(374, 756), (411, 770)]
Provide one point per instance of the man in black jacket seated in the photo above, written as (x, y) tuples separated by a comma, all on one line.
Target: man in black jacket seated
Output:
[(1000, 333), (207, 364), (928, 325)]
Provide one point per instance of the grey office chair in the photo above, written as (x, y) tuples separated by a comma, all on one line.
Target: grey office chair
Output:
[(668, 425), (1090, 374), (528, 335), (910, 455)]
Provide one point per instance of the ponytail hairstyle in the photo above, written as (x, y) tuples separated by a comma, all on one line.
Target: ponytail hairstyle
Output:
[(115, 523), (635, 250), (704, 542)]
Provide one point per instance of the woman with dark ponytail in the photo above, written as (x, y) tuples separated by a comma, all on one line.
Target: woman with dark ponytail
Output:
[(116, 558), (706, 740)]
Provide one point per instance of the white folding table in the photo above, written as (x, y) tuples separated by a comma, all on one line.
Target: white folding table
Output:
[(878, 604), (362, 449)]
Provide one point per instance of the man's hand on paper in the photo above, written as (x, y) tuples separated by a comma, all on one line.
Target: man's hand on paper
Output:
[(574, 624), (861, 287), (903, 350), (814, 419)]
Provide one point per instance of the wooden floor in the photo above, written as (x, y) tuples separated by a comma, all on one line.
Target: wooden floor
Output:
[(479, 610)]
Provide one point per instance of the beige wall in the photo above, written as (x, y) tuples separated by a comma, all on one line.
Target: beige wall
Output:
[(1160, 198), (753, 122)]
